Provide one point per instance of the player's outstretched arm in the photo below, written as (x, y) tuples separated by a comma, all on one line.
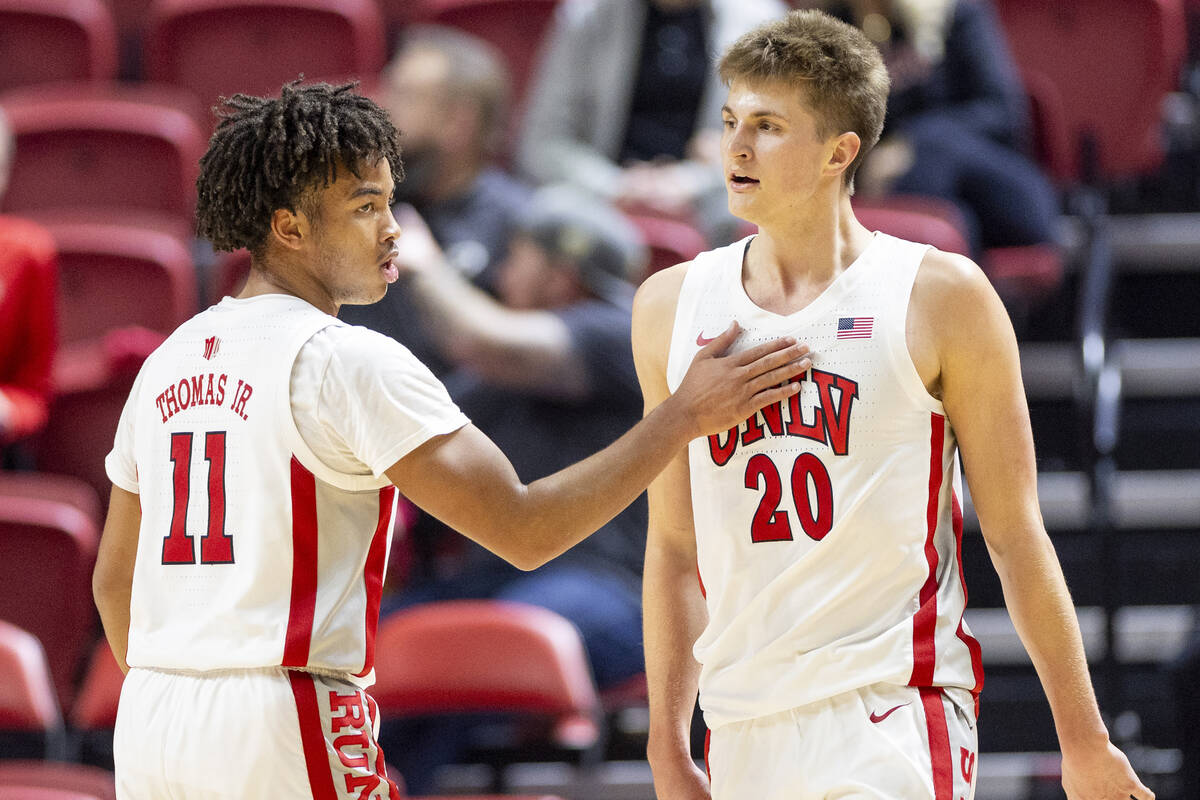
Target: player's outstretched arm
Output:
[(673, 612), (464, 480), (112, 580), (984, 398)]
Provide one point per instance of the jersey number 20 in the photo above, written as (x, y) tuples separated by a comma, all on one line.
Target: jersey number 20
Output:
[(216, 546), (771, 524)]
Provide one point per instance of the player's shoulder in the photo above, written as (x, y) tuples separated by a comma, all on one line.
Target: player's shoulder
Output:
[(948, 282)]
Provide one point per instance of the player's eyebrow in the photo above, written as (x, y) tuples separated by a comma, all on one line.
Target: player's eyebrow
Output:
[(757, 113), (367, 189)]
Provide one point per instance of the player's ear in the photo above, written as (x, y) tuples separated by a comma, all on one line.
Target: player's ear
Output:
[(843, 150), (289, 228)]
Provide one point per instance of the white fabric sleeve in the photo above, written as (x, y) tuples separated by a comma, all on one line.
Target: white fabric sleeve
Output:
[(362, 401), (120, 463)]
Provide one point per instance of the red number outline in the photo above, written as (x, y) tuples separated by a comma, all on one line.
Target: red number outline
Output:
[(772, 525), (216, 546)]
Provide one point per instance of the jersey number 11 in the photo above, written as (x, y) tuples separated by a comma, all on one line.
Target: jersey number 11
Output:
[(216, 546)]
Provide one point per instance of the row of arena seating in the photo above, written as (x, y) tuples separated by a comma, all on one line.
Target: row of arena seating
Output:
[(465, 657)]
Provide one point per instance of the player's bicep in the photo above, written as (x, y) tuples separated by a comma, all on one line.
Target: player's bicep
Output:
[(671, 532), (984, 398)]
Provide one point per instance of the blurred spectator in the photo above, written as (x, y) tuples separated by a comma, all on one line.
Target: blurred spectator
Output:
[(548, 374), (28, 332), (448, 94), (626, 103), (957, 118)]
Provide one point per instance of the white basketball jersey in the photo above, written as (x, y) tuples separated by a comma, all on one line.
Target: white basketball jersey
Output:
[(251, 552), (828, 526)]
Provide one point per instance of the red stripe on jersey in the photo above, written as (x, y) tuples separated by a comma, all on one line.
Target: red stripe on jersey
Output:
[(925, 620), (312, 736), (373, 573), (304, 567), (707, 746), (970, 641), (940, 760), (380, 761)]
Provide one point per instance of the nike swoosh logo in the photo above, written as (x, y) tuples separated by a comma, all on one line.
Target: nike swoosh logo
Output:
[(877, 718), (701, 340)]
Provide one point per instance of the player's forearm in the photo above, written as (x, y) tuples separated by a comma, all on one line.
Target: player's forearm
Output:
[(112, 601), (562, 509), (674, 617), (1044, 616)]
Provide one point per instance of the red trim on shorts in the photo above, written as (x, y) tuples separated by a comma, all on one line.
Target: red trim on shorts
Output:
[(373, 574), (970, 641), (925, 620), (312, 736), (304, 567), (700, 579), (380, 761), (707, 744), (940, 761)]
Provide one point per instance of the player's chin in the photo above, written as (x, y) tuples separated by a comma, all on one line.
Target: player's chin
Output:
[(365, 295)]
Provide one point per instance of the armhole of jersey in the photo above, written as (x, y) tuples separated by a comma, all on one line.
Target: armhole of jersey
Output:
[(691, 289), (685, 306), (901, 358), (283, 407)]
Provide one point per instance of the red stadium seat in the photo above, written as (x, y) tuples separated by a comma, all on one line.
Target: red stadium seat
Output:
[(466, 656), (43, 793), (1097, 70), (113, 277), (27, 699), (85, 149), (47, 550), (671, 241), (83, 419), (59, 488), (917, 224), (44, 41), (95, 707), (221, 47), (514, 27), (90, 781)]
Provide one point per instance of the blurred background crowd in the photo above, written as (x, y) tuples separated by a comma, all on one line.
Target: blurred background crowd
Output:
[(556, 153)]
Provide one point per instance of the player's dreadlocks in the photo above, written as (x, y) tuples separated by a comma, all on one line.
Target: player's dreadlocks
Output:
[(269, 153)]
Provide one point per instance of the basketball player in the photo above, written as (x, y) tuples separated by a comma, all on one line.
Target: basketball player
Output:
[(257, 463), (826, 627)]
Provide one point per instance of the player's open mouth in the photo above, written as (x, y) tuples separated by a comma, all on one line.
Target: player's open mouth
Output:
[(391, 273), (737, 182)]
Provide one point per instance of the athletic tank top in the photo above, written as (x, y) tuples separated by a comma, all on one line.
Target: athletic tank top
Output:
[(251, 552), (828, 527)]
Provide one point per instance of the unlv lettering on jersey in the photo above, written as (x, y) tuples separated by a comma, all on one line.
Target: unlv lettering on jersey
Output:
[(828, 420)]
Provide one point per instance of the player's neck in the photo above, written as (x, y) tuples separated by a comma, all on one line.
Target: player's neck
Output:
[(274, 279), (813, 247)]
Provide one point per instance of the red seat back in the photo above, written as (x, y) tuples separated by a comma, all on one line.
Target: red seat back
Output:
[(221, 47), (514, 27), (473, 656), (88, 151), (113, 276), (95, 707), (1099, 69), (671, 241), (47, 550), (91, 781), (44, 41)]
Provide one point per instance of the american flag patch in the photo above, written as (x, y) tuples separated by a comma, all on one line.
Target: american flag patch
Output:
[(855, 327)]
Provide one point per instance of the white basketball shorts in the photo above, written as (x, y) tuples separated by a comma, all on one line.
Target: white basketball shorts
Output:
[(881, 741), (248, 733)]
